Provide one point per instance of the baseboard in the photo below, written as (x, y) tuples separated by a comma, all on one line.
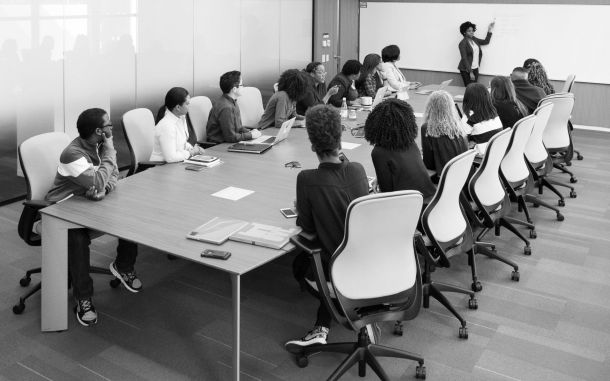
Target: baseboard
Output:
[(591, 128)]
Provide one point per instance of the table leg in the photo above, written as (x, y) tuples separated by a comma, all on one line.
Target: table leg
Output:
[(54, 276), (235, 282)]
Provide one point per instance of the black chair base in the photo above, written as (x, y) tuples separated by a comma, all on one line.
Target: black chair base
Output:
[(25, 281), (364, 353)]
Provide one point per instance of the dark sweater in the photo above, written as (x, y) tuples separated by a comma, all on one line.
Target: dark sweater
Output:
[(323, 195), (528, 94), (345, 90), (314, 95), (508, 112), (402, 170), (438, 151), (224, 123)]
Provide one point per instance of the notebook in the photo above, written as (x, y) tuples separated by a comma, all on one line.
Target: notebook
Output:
[(203, 160), (281, 135), (265, 235), (217, 230), (442, 86), (248, 147)]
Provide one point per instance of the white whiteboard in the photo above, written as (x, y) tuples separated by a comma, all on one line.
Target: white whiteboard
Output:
[(567, 39)]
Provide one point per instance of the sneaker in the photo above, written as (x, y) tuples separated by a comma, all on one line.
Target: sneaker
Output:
[(129, 279), (316, 336), (85, 312)]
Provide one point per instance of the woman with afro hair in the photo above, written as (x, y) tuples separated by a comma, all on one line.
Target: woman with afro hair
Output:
[(282, 105)]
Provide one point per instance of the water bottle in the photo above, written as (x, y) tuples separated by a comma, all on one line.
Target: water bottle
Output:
[(344, 109)]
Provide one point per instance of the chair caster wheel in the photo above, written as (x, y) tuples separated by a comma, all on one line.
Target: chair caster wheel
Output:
[(463, 333), (18, 308), (115, 283), (420, 372), (25, 281), (514, 276), (302, 361), (573, 180), (476, 286), (561, 203), (579, 157), (573, 194), (527, 250), (533, 234), (398, 328), (472, 304), (560, 217)]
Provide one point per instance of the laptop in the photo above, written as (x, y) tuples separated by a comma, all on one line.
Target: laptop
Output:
[(379, 96), (442, 86), (281, 135)]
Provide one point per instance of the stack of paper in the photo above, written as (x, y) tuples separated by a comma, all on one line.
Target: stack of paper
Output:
[(217, 230), (203, 160), (265, 235)]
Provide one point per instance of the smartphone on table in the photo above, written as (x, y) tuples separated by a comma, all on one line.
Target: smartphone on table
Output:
[(217, 254), (288, 212)]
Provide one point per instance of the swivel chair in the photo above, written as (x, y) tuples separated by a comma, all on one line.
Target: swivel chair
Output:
[(139, 130), (557, 137), (250, 104), (199, 111), (39, 158), (567, 88), (374, 275)]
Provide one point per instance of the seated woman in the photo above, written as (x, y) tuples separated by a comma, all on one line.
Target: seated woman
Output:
[(394, 77), (537, 76), (483, 121), (503, 96), (315, 89), (345, 83), (282, 105), (392, 129), (171, 133), (443, 134), (371, 77)]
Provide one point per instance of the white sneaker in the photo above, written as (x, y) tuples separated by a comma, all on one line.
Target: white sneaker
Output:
[(317, 335)]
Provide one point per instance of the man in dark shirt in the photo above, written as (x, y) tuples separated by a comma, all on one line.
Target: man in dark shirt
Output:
[(527, 93), (323, 195), (224, 122)]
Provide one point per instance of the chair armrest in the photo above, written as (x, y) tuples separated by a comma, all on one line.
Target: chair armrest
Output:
[(313, 248), (206, 144), (144, 165), (29, 216), (37, 204)]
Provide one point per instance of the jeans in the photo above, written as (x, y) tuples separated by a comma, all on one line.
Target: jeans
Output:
[(78, 260), (466, 76)]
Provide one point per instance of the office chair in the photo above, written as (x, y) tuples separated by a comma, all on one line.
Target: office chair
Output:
[(139, 130), (39, 158), (198, 114), (448, 234), (250, 104), (567, 88), (534, 148), (374, 275), (491, 200)]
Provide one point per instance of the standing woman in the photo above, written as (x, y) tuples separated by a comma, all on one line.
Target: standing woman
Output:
[(315, 91), (443, 134), (470, 51), (371, 77), (503, 96)]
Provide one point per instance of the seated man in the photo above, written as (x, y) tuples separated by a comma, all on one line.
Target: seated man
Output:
[(224, 123), (527, 93), (323, 195), (88, 168)]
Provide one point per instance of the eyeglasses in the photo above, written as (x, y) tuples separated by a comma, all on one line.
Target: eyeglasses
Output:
[(107, 125), (292, 164)]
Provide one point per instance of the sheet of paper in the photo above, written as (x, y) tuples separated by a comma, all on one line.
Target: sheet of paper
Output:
[(232, 193), (347, 145), (418, 114)]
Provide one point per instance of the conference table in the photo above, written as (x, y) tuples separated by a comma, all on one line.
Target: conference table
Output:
[(158, 207)]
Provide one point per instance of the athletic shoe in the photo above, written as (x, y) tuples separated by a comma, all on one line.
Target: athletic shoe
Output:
[(85, 312), (316, 336), (129, 279)]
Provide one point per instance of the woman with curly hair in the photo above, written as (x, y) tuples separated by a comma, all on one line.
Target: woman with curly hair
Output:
[(537, 76), (443, 134), (483, 121), (371, 77), (509, 108), (282, 105), (315, 88), (392, 129)]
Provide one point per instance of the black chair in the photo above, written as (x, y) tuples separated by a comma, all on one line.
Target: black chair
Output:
[(39, 158), (374, 276)]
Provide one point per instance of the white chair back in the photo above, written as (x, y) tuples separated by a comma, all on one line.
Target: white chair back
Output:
[(39, 158), (250, 104), (556, 135), (513, 166), (140, 134), (487, 184), (567, 86), (535, 152), (199, 111), (376, 257), (444, 218)]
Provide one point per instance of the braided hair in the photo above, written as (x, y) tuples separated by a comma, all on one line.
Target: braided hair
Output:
[(441, 116)]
